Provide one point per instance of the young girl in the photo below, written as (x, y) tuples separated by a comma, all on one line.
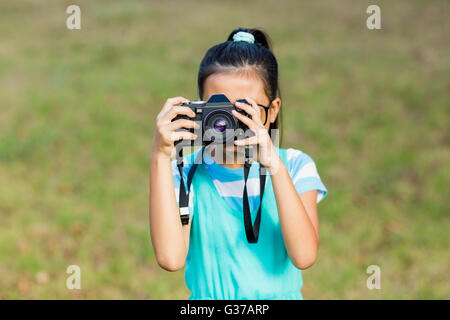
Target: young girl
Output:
[(220, 261)]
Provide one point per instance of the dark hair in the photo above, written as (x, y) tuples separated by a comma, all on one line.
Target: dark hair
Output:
[(229, 55)]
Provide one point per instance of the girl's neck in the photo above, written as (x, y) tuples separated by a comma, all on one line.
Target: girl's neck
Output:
[(234, 164)]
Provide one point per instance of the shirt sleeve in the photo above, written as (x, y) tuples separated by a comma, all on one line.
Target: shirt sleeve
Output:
[(303, 172)]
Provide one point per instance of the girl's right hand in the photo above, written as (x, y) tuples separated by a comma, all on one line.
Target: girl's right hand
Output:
[(165, 134)]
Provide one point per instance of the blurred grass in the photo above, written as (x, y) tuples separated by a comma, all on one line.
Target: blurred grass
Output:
[(77, 112)]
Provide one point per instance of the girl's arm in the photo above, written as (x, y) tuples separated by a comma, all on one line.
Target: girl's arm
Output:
[(170, 239), (298, 218), (298, 214)]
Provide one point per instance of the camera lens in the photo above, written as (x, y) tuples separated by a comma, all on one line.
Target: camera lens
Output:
[(216, 125), (220, 125)]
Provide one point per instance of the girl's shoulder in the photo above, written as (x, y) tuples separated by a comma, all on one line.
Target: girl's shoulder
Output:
[(303, 171), (294, 157)]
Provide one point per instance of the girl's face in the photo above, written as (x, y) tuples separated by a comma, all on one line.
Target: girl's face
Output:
[(237, 86)]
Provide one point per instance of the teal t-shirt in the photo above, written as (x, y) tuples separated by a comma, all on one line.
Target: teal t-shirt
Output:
[(221, 264)]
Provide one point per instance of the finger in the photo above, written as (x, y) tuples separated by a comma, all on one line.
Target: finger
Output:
[(256, 106), (173, 102), (246, 120), (249, 109), (181, 135), (177, 110), (169, 104), (183, 123), (247, 141), (252, 102)]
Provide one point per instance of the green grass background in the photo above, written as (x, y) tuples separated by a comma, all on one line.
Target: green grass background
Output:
[(77, 114)]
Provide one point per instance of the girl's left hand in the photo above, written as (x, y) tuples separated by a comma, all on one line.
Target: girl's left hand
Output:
[(267, 155)]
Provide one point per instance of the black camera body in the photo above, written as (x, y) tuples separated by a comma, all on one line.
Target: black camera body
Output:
[(217, 123)]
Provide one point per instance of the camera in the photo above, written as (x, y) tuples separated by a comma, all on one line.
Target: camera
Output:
[(217, 123)]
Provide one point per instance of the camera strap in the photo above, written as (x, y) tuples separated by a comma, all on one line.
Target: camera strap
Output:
[(252, 231), (184, 195)]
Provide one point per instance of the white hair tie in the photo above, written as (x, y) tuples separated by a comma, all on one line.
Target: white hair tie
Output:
[(244, 36)]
